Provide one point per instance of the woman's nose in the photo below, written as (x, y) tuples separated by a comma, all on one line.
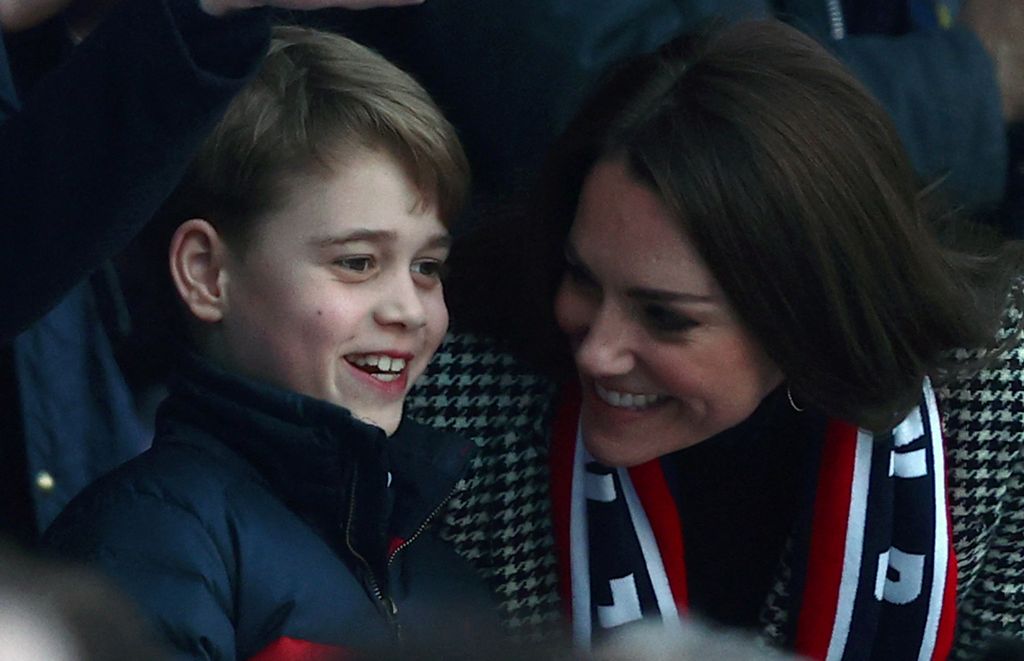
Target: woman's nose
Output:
[(605, 347)]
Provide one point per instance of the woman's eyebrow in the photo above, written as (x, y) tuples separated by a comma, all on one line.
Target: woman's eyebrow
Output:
[(668, 296), (645, 294), (573, 257)]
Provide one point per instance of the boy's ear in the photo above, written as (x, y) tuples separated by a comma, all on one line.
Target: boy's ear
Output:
[(197, 255)]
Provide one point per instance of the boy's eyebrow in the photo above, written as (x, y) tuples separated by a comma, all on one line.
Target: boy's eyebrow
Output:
[(374, 236), (443, 240), (439, 240)]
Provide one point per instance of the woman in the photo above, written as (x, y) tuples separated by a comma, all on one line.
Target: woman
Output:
[(765, 332)]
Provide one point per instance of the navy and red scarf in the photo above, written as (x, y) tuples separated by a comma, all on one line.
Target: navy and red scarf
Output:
[(872, 557)]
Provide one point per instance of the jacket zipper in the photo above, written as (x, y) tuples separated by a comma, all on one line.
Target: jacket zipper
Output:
[(391, 609), (421, 528), (837, 28)]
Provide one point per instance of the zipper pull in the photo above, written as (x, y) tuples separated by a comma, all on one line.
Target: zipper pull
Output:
[(392, 609)]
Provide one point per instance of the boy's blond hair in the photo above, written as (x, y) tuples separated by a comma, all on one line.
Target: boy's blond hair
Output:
[(317, 99)]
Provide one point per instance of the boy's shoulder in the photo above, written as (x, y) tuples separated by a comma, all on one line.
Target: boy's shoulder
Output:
[(190, 532), (177, 484)]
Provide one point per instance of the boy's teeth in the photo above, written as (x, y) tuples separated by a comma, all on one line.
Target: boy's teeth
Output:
[(387, 378), (626, 400), (382, 363)]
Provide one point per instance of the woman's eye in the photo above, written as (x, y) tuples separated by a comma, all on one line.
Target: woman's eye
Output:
[(360, 264), (664, 320), (431, 268), (576, 273)]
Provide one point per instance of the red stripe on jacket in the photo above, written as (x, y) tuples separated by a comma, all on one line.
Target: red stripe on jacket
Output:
[(294, 649)]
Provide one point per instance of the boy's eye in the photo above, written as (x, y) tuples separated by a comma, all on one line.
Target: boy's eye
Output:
[(434, 269), (358, 264), (665, 320)]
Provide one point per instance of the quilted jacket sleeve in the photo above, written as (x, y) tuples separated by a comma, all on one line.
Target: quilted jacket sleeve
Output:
[(163, 557), (101, 141)]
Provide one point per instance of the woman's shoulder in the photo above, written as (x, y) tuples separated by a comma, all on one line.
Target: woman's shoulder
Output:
[(475, 387), (472, 357), (982, 409), (982, 400)]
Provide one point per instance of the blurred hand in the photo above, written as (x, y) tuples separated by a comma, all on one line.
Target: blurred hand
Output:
[(999, 25), (221, 7), (693, 641), (18, 15)]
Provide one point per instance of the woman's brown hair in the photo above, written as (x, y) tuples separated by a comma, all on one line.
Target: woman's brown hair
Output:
[(791, 181)]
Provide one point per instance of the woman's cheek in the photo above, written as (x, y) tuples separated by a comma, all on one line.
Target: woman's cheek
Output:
[(568, 310)]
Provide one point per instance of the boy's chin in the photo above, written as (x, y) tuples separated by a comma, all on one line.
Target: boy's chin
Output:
[(388, 421)]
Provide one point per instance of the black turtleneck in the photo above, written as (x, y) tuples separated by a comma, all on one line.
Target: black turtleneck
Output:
[(737, 494)]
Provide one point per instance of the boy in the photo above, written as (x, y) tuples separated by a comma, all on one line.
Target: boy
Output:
[(282, 506)]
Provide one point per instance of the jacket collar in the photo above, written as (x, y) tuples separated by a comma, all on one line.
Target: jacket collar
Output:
[(8, 96), (326, 465)]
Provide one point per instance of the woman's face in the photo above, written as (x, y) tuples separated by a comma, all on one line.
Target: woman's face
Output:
[(663, 361)]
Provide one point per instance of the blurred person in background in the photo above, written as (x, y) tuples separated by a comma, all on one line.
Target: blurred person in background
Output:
[(511, 74), (60, 612)]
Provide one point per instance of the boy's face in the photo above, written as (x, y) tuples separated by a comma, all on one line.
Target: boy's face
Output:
[(338, 296)]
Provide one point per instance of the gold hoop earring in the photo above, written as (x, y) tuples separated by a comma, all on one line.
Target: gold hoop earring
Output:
[(792, 402)]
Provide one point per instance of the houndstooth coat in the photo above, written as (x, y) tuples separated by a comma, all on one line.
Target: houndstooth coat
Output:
[(500, 517)]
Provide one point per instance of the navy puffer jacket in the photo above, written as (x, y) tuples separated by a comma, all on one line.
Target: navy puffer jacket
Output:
[(262, 520)]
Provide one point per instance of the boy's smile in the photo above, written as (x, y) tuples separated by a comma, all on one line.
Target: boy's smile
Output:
[(384, 368), (338, 294), (385, 372)]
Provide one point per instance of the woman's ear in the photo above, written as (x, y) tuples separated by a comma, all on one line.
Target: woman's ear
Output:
[(197, 259)]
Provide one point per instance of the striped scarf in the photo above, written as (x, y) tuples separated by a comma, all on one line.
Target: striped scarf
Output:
[(873, 568)]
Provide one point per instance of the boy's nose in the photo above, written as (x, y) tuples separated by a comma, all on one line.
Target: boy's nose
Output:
[(401, 305)]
